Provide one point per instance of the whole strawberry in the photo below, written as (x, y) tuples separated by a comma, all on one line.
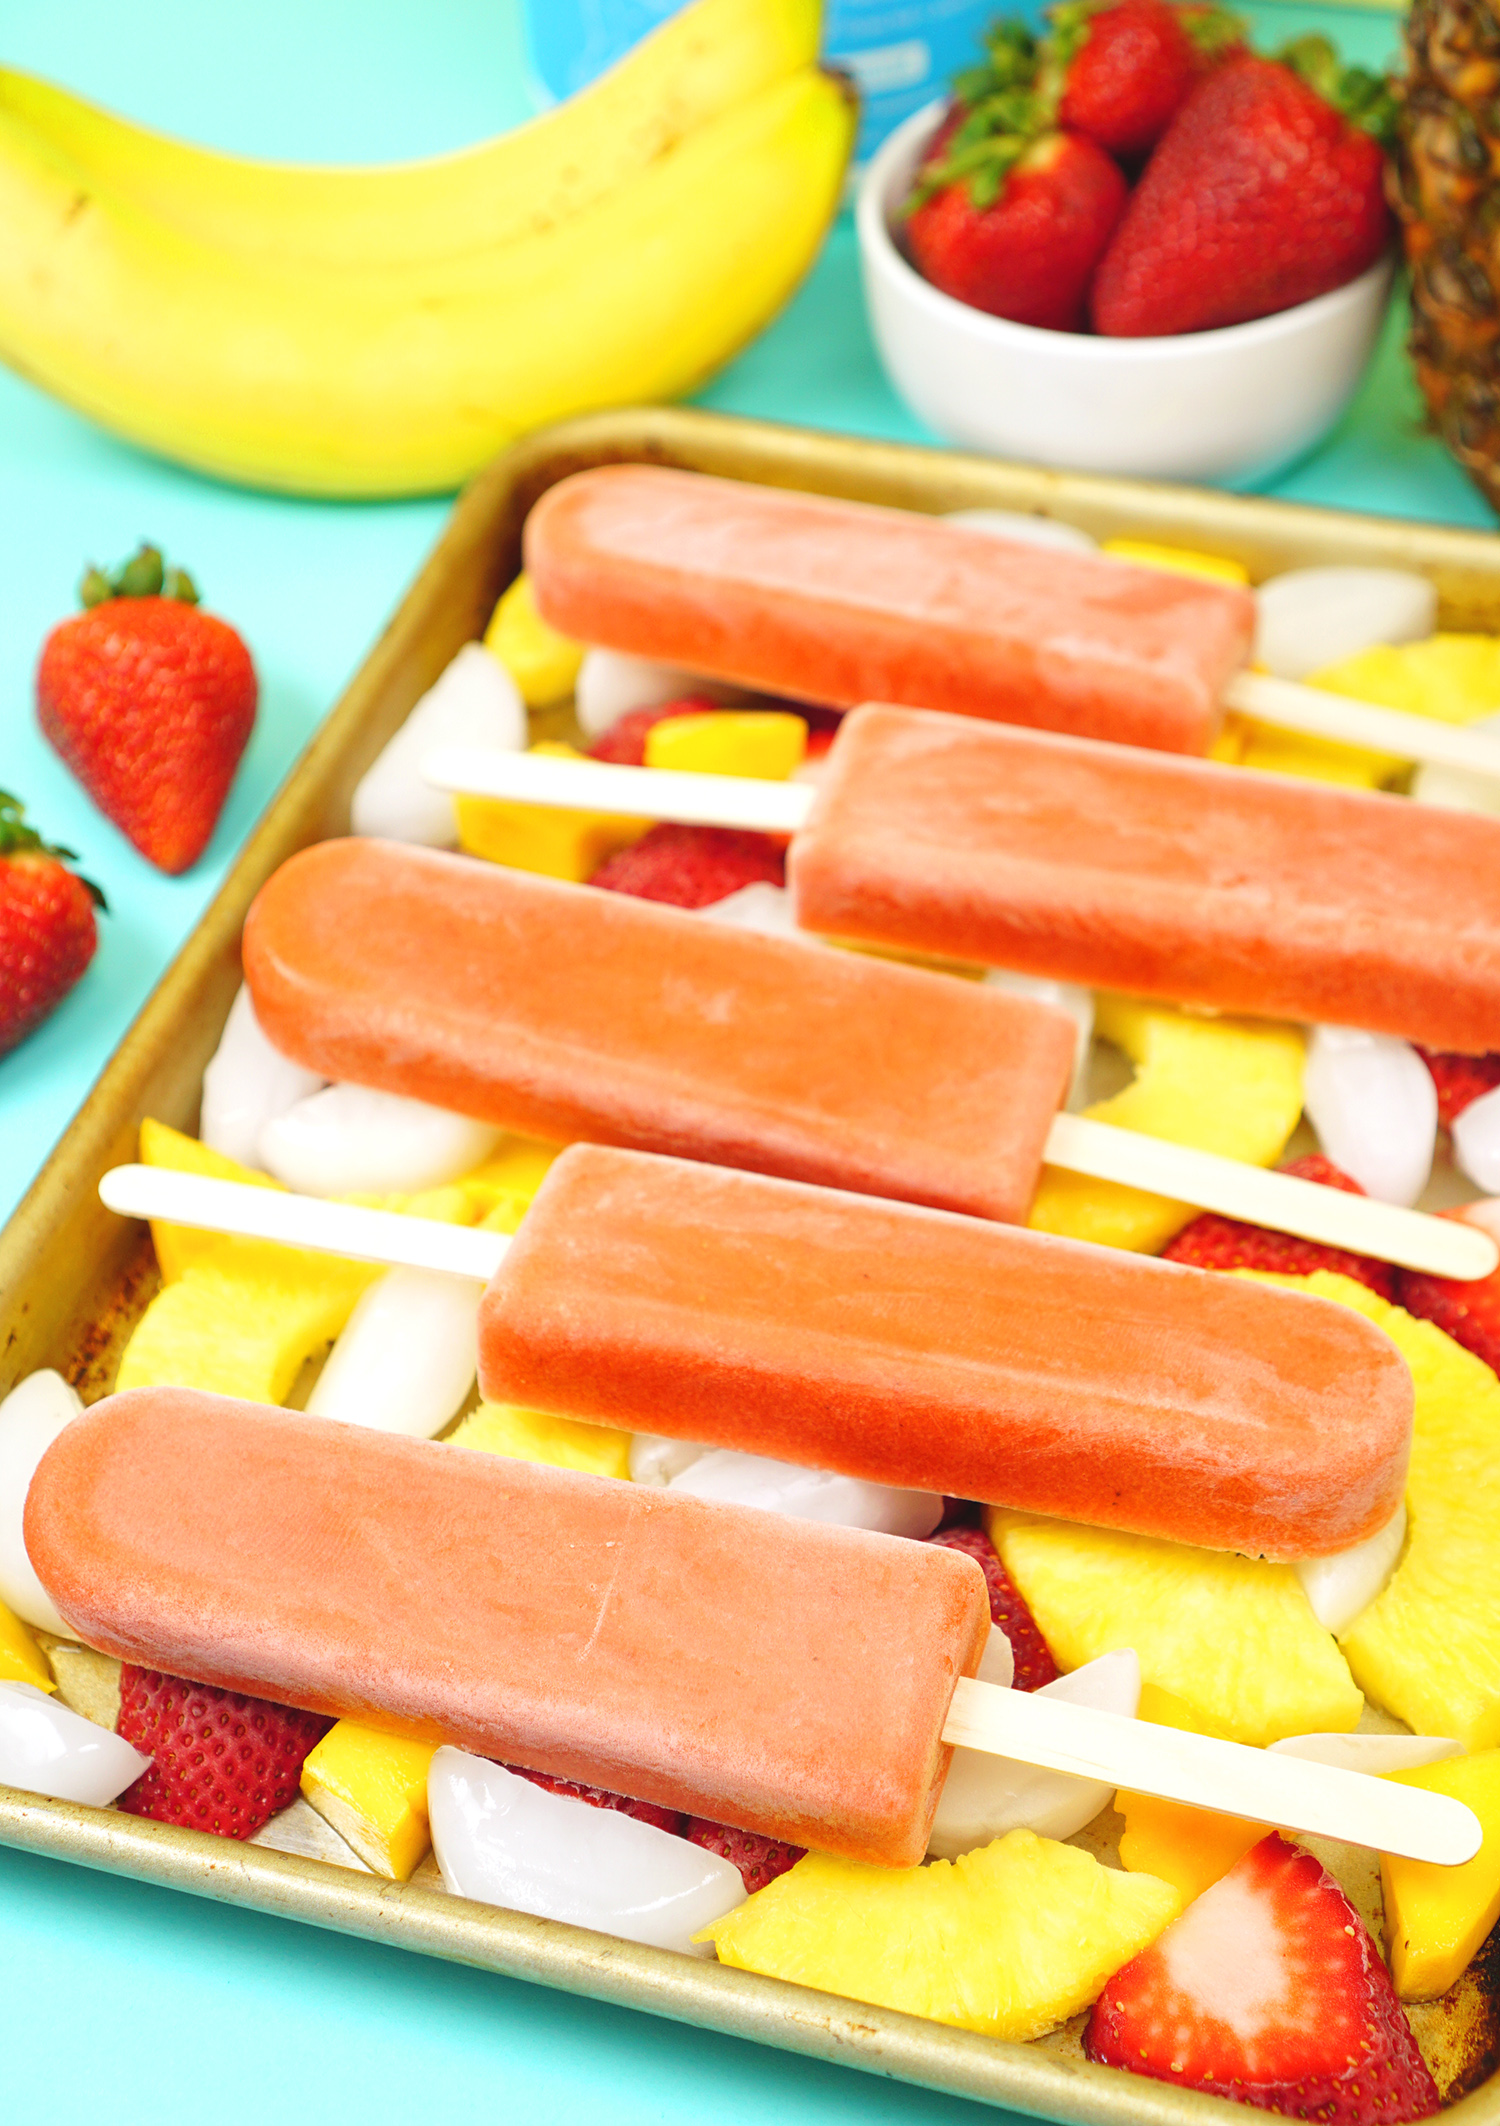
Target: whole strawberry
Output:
[(1266, 191), (151, 703), (1008, 214), (47, 929), (1126, 66), (223, 1762)]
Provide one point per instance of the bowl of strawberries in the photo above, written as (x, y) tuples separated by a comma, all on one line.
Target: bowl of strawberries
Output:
[(1133, 245)]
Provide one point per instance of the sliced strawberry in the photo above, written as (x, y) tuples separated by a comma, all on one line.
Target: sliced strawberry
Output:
[(759, 1859), (1468, 1311), (1215, 1243), (224, 1762), (692, 867), (1008, 1611), (1268, 1989), (1460, 1081), (599, 1797), (624, 743)]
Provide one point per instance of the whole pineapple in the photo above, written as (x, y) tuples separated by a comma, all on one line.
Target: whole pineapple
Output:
[(1443, 190)]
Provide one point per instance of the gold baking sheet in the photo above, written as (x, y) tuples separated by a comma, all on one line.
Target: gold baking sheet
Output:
[(73, 1279)]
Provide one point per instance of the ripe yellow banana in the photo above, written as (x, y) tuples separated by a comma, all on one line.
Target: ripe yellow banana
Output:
[(695, 67), (404, 377)]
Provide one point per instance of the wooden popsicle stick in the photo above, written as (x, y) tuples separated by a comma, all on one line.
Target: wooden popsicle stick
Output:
[(690, 800), (1363, 723), (1442, 1247), (1287, 1793), (388, 1237)]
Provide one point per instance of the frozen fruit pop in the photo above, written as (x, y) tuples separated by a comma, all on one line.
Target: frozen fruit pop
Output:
[(601, 1631), (842, 602), (903, 1346), (564, 1013)]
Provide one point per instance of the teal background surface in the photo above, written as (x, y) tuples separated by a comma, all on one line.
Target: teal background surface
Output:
[(132, 2000)]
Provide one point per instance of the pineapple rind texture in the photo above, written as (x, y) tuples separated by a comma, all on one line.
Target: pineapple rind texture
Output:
[(1232, 1086), (1234, 1638), (1010, 1940), (1428, 1648)]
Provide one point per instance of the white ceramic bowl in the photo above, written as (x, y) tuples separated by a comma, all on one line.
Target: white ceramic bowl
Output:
[(1236, 403)]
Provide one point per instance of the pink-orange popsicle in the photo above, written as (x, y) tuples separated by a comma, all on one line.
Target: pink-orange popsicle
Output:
[(1208, 885), (566, 1012), (946, 1354), (600, 1631), (844, 602)]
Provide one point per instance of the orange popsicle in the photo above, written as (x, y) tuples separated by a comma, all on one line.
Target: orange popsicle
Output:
[(914, 1348), (844, 602), (564, 1012), (600, 1631), (1242, 891)]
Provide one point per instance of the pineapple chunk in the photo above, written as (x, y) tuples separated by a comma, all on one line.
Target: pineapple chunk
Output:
[(1177, 560), (1428, 1647), (1010, 1940), (244, 1321), (1234, 1638), (501, 1190), (1189, 1848), (1436, 1918), (531, 1436), (1244, 742), (21, 1659), (765, 744), (556, 841), (373, 1789), (178, 1246), (543, 663), (1232, 1086)]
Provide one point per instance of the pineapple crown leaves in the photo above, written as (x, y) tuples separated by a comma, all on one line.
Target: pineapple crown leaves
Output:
[(1001, 114), (1366, 100), (17, 838), (144, 575)]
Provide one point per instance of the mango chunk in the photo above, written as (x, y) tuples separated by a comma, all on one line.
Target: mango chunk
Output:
[(243, 1321), (532, 1436), (373, 1789), (1189, 1848), (557, 842), (766, 744), (1232, 1086), (1177, 560), (1437, 1919), (543, 663), (177, 1246), (21, 1659), (1245, 742)]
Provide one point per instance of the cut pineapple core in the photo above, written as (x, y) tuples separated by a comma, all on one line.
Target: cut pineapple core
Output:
[(1232, 1086), (1233, 1638), (1010, 1940), (372, 1788), (532, 1436)]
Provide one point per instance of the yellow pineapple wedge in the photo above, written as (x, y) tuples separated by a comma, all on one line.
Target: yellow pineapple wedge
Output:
[(1233, 1638), (1232, 1086), (178, 1246), (532, 1436), (1428, 1648), (1010, 1940)]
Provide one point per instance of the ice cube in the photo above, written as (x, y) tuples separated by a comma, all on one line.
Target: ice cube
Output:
[(350, 1140), (655, 1460), (1460, 789), (984, 1796), (1372, 1101), (809, 1494), (46, 1748), (502, 1840), (1476, 1142), (610, 684), (1311, 617), (1370, 1753), (1339, 1587), (247, 1084), (31, 1417), (475, 702), (407, 1356), (1024, 528), (759, 907)]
